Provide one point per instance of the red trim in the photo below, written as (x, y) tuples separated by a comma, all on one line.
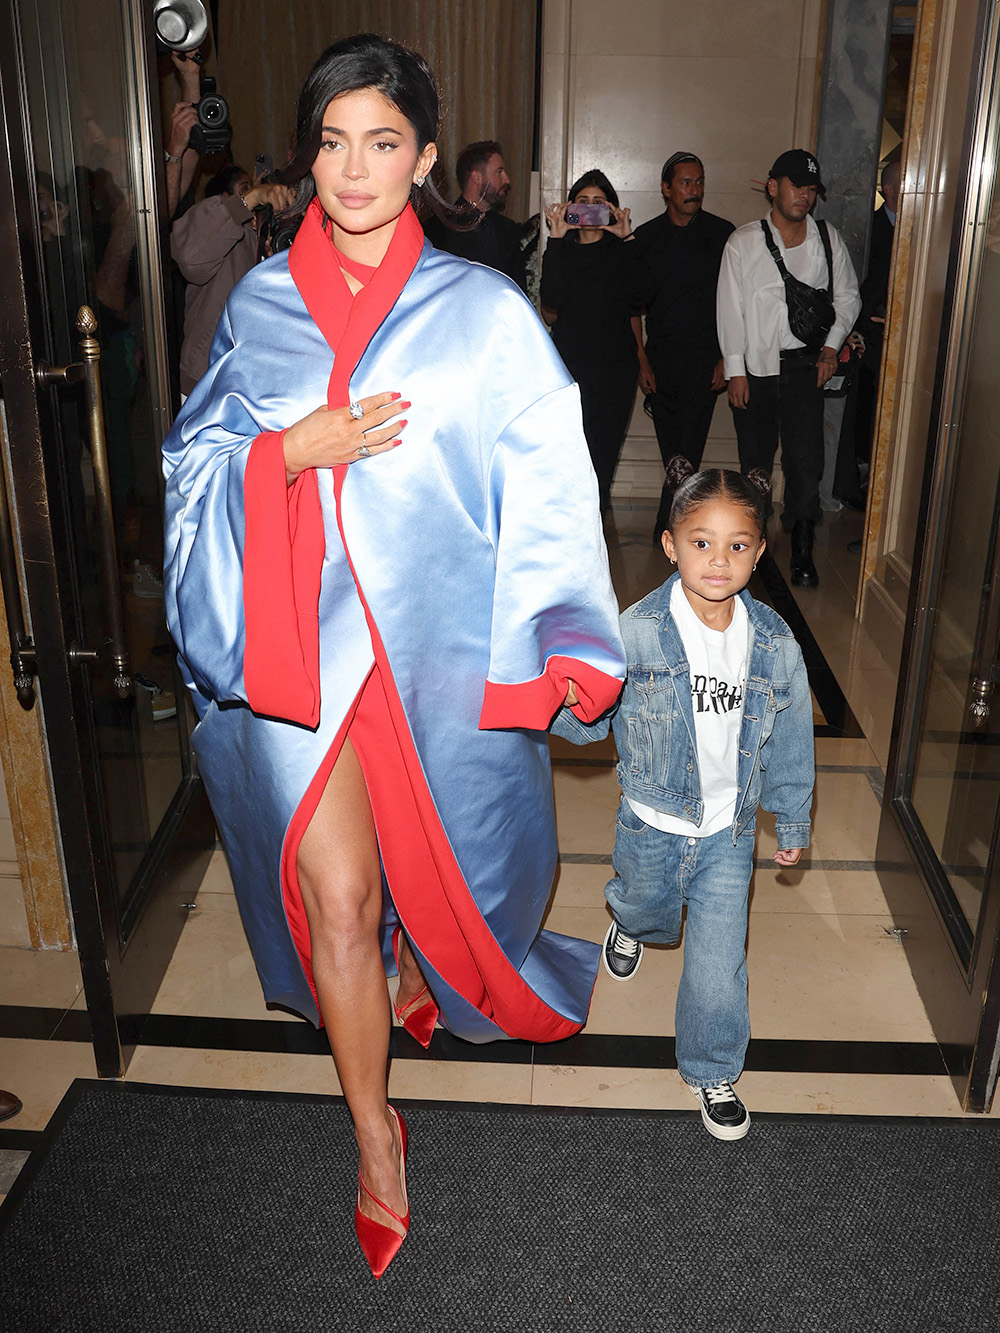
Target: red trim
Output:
[(283, 550), (284, 538), (534, 703)]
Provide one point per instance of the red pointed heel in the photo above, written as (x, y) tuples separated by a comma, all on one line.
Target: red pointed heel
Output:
[(380, 1244), (418, 1019)]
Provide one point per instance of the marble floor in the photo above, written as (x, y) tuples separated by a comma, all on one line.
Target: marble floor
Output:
[(838, 1026)]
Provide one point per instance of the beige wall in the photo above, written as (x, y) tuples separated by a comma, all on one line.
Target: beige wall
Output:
[(624, 86)]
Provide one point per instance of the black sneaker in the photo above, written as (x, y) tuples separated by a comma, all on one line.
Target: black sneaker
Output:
[(722, 1112), (622, 954)]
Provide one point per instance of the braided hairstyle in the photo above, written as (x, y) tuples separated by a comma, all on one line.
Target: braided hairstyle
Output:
[(692, 489)]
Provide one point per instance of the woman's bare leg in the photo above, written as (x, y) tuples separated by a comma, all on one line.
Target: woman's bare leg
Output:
[(341, 886)]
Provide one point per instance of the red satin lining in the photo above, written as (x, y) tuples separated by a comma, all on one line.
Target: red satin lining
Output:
[(534, 703)]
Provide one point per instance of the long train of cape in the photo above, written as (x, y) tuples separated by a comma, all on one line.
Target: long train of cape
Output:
[(444, 592)]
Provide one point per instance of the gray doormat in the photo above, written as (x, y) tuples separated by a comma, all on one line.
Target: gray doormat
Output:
[(176, 1209)]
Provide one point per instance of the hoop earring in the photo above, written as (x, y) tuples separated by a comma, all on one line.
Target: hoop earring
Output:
[(754, 570)]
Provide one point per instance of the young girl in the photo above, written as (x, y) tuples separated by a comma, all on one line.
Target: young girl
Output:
[(714, 720)]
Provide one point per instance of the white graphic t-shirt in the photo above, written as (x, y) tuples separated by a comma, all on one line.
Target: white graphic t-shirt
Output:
[(718, 666)]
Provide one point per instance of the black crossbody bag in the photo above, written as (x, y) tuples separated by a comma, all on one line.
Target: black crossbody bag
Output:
[(811, 314)]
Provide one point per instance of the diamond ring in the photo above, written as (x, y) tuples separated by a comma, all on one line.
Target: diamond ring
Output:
[(357, 411), (364, 451)]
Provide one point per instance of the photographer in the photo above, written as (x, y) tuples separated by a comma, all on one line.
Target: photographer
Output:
[(585, 300), (214, 244)]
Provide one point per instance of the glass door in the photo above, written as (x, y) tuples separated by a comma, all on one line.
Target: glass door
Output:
[(85, 488), (939, 835)]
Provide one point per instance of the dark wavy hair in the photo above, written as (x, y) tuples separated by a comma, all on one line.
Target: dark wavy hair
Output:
[(597, 178), (692, 489), (356, 63)]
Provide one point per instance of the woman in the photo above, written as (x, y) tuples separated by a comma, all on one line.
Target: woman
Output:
[(585, 299), (379, 614)]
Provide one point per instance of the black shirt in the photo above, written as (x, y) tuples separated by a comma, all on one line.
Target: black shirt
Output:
[(495, 242), (588, 285), (675, 274)]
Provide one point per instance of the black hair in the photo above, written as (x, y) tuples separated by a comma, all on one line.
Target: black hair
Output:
[(599, 179), (224, 180), (678, 159), (692, 489), (365, 61), (474, 157)]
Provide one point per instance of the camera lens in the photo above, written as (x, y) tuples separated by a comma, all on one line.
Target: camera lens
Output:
[(573, 218), (212, 110)]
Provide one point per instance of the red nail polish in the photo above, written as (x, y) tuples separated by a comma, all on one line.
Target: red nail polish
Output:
[(395, 396), (403, 406), (402, 423)]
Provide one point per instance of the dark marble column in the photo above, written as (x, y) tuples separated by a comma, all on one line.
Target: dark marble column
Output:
[(855, 60)]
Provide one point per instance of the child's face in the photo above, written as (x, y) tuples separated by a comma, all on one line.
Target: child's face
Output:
[(716, 547)]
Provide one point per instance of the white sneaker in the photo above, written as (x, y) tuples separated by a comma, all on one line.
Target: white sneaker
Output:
[(622, 954), (145, 580), (722, 1112)]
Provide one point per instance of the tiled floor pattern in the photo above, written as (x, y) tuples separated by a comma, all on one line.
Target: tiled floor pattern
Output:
[(826, 974)]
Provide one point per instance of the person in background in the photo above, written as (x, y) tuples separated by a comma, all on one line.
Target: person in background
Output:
[(214, 244), (775, 380), (494, 240), (676, 268), (585, 301), (182, 159)]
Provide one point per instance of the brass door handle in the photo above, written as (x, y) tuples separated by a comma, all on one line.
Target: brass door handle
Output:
[(90, 351), (46, 375)]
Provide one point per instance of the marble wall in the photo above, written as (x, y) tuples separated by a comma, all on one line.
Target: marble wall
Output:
[(624, 87), (850, 116)]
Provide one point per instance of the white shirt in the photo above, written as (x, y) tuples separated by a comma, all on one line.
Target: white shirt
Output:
[(751, 311), (717, 665)]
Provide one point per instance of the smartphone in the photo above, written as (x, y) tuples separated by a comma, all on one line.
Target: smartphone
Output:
[(264, 164), (589, 215)]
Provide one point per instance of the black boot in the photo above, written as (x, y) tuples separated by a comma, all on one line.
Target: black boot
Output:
[(803, 570)]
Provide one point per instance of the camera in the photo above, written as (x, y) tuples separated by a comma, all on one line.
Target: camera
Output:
[(263, 165), (274, 232), (213, 131), (589, 215)]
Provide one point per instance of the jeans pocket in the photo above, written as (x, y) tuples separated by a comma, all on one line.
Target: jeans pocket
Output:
[(627, 820)]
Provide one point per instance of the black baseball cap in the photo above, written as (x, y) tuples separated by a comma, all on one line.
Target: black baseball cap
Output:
[(800, 167)]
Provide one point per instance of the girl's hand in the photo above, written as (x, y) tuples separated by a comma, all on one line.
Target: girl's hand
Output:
[(789, 857), (622, 225), (555, 216), (328, 438), (571, 697)]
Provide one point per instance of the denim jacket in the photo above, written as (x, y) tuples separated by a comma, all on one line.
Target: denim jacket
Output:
[(653, 722)]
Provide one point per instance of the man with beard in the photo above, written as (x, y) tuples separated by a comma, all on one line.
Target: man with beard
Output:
[(676, 261), (775, 380), (485, 185)]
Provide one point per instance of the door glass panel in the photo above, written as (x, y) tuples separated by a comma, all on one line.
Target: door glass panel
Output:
[(91, 209), (956, 779)]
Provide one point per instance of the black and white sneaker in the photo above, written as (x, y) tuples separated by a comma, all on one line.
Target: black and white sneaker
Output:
[(622, 954), (722, 1112)]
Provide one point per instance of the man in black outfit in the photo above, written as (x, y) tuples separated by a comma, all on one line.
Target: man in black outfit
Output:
[(676, 261), (485, 185)]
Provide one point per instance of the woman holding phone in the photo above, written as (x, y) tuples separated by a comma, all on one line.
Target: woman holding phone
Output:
[(585, 301)]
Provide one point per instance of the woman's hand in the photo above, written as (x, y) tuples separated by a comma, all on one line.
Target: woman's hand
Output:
[(622, 225), (571, 695), (329, 437), (555, 216)]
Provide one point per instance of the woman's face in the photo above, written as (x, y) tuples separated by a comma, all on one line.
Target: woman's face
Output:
[(591, 194), (367, 162)]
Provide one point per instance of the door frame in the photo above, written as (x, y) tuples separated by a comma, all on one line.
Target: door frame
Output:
[(122, 963), (956, 968)]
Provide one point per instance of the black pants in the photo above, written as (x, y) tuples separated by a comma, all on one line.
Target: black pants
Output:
[(788, 405), (608, 394), (682, 409)]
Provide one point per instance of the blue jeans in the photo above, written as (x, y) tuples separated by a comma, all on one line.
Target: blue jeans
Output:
[(658, 874)]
